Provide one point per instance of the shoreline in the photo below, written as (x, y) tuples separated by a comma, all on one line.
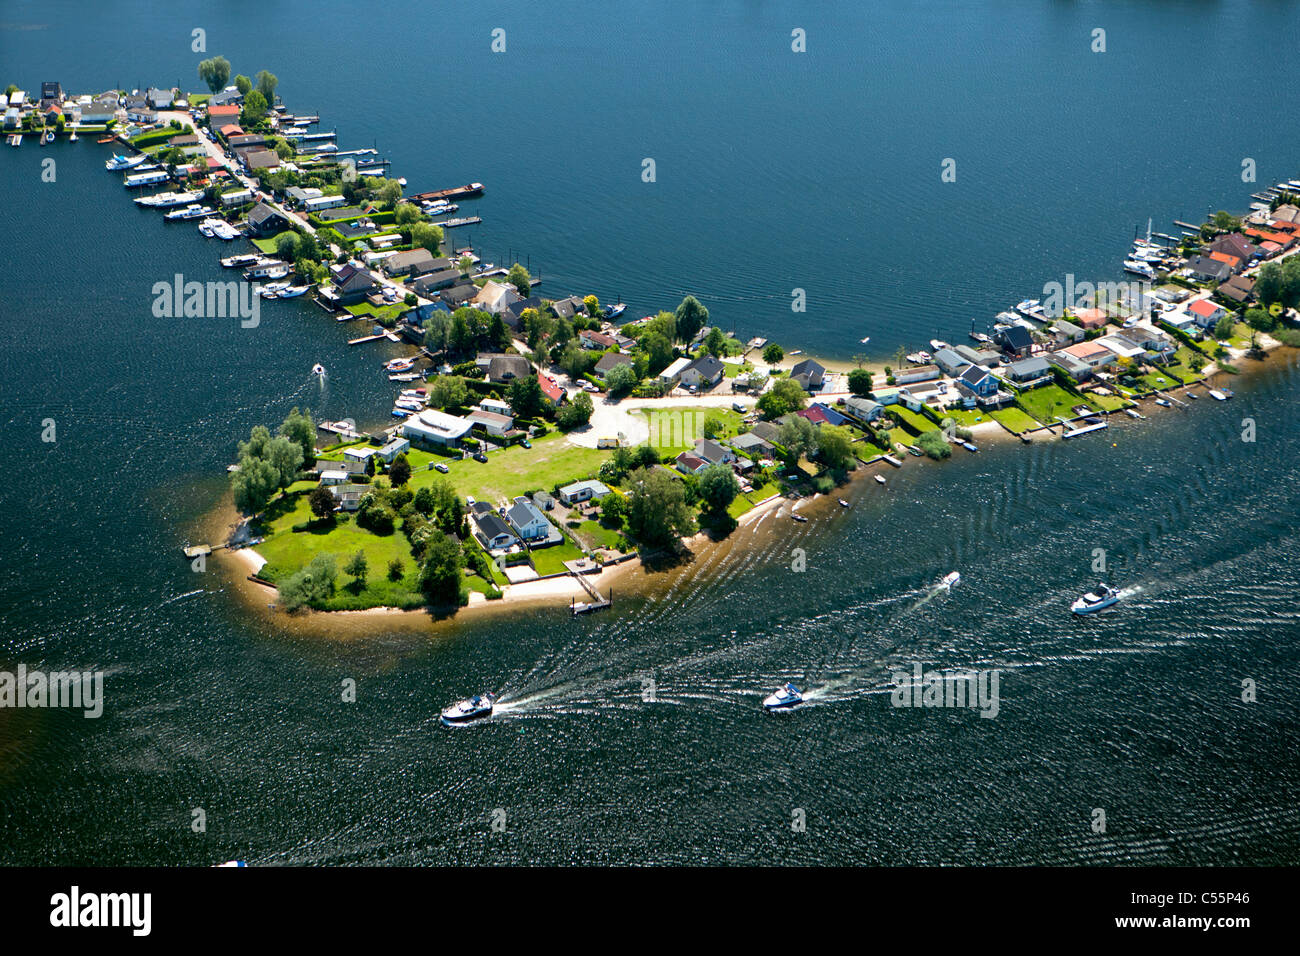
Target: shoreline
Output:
[(632, 575)]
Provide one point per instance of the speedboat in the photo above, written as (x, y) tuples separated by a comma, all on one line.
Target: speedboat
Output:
[(865, 339), (950, 579), (1163, 402), (192, 211), (238, 262), (614, 311), (400, 364), (920, 358), (1028, 305), (466, 711), (1103, 597), (293, 291), (937, 344), (913, 450), (880, 479), (1139, 268), (786, 696), (797, 516), (318, 369), (208, 226), (273, 289), (843, 503)]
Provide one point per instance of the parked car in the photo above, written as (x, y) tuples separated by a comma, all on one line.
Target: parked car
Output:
[(480, 457), (439, 466), (526, 443)]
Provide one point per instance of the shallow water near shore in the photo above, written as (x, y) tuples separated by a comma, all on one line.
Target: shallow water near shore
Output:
[(637, 735)]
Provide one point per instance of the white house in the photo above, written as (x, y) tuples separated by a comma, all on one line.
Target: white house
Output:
[(490, 422), (583, 491), (528, 522), (673, 372), (334, 476), (436, 428), (496, 405), (494, 297), (356, 459), (396, 446)]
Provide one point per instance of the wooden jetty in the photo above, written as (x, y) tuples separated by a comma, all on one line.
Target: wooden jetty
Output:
[(386, 334), (466, 221), (597, 603), (1187, 225)]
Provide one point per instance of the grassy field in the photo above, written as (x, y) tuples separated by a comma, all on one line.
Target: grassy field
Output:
[(1048, 402), (596, 536), (551, 560), (512, 471), (914, 419), (286, 551), (366, 309), (1014, 419), (267, 245)]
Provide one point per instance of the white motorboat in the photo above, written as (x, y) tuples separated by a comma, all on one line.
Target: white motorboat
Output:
[(950, 579), (208, 226), (118, 163), (865, 339), (192, 211), (469, 710), (267, 272), (1163, 402), (937, 344), (238, 262), (293, 291), (1102, 597), (318, 369), (880, 479), (167, 200), (920, 358), (225, 231), (786, 696), (1139, 269), (273, 289)]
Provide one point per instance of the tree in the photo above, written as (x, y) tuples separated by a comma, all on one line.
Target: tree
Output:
[(834, 448), (691, 316), (519, 278), (525, 397), (933, 444), (396, 569), (358, 567), (773, 353), (860, 382), (399, 473), (437, 331), (426, 235), (254, 108), (592, 305), (658, 351), (447, 391), (285, 456), (713, 426), (253, 484), (321, 500), (621, 379), (215, 72), (799, 438), (715, 343), (783, 397), (718, 488), (299, 427), (405, 214), (1260, 320), (576, 413), (243, 84), (286, 246), (657, 513), (266, 84), (1223, 328), (441, 573)]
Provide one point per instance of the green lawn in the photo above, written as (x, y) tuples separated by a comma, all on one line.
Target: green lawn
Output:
[(1048, 402), (267, 245), (1014, 419), (915, 419), (551, 560), (286, 551), (391, 310), (596, 536), (515, 470)]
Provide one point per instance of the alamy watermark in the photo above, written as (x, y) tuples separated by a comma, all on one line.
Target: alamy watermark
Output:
[(79, 690), (208, 300), (1058, 297), (975, 689)]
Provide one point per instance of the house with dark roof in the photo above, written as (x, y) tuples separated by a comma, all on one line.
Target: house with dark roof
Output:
[(493, 532), (568, 308), (458, 295), (610, 361), (349, 285), (433, 283), (1029, 370), (704, 372), (513, 313), (1015, 341), (507, 368), (767, 431), (809, 374), (1236, 245), (1207, 269), (265, 220), (528, 522), (979, 381), (752, 446), (414, 262)]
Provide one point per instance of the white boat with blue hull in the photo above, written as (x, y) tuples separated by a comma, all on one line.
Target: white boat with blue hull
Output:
[(469, 710), (1098, 599), (786, 696)]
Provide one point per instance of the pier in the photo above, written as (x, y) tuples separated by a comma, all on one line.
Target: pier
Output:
[(386, 334), (597, 602), (456, 192)]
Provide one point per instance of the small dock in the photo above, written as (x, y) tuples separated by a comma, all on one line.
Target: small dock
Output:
[(597, 602), (1068, 432), (466, 221), (1187, 225), (386, 334)]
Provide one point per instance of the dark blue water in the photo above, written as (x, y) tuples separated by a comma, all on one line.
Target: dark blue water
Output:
[(775, 170)]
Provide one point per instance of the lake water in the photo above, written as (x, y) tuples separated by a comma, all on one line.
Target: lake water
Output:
[(775, 171)]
